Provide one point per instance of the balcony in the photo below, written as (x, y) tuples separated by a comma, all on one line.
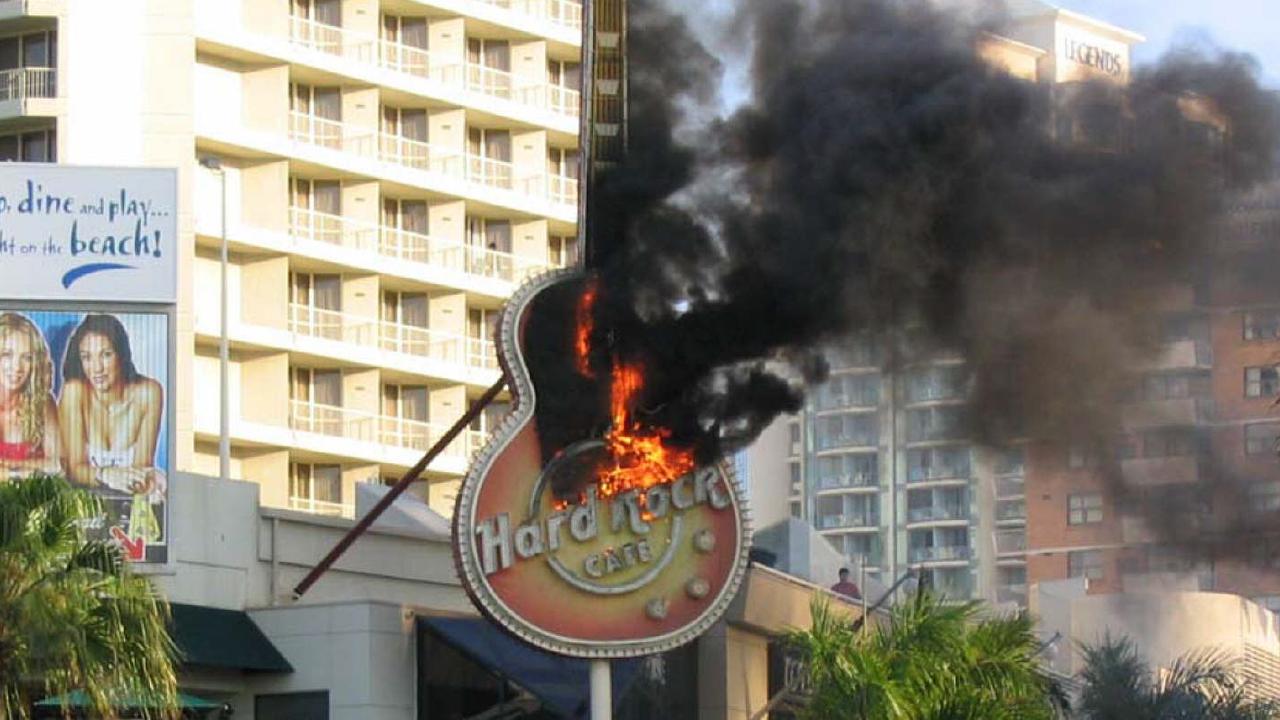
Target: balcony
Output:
[(559, 12), (848, 521), (827, 441), (938, 475), (1150, 472), (1011, 511), (470, 352), (399, 244), (481, 174), (321, 507), (28, 82), (945, 553), (1182, 354), (446, 72), (1011, 542), (339, 422), (937, 513), (29, 92), (1010, 488), (1134, 530), (861, 481), (1179, 412)]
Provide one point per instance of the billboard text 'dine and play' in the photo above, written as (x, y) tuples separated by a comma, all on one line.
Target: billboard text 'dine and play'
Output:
[(88, 266)]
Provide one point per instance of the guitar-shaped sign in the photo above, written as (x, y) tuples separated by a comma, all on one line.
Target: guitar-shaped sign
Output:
[(579, 528)]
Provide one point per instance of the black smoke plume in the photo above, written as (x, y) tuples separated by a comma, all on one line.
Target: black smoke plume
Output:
[(883, 176)]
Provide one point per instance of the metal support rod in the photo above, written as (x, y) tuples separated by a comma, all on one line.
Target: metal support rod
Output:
[(860, 622), (398, 489), (601, 691), (224, 356)]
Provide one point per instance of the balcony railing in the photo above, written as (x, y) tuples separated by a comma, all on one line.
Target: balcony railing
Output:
[(29, 82), (560, 12), (1011, 542), (826, 441), (330, 134), (321, 507), (332, 229), (425, 65), (1010, 488), (1011, 511), (476, 353), (852, 480), (477, 170), (938, 512), (417, 154), (943, 553), (408, 245), (333, 421), (936, 473), (848, 520)]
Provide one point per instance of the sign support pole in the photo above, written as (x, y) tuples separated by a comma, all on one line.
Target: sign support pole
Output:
[(601, 691)]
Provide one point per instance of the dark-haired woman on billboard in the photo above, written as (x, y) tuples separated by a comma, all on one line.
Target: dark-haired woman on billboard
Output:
[(109, 412), (28, 418)]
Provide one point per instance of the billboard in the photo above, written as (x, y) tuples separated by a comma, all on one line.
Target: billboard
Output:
[(88, 233), (88, 282), (86, 394)]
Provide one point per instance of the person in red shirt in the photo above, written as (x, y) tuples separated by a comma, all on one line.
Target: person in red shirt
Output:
[(846, 587)]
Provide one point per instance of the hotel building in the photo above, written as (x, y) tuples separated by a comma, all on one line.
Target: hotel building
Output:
[(384, 172), (878, 461)]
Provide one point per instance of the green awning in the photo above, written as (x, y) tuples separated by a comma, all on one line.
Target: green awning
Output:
[(80, 699), (212, 637)]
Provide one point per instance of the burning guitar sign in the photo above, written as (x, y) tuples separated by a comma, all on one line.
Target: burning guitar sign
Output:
[(579, 528)]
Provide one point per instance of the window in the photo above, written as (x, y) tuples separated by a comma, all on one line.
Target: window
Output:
[(405, 413), (404, 322), (1264, 496), (1010, 461), (1261, 382), (844, 391), (34, 146), (848, 430), (315, 488), (1262, 324), (404, 137), (562, 250), (489, 66), (847, 470), (937, 463), (293, 706), (1084, 509), (1168, 442), (31, 50), (937, 383), (315, 115), (1082, 455), (933, 423), (564, 74), (1261, 438), (1085, 563)]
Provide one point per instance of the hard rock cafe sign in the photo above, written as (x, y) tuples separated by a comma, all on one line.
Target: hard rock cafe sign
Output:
[(585, 535)]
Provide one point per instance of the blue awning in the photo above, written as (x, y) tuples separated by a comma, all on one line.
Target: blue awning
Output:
[(560, 683)]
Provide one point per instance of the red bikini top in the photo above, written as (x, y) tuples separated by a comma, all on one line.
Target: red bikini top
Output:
[(21, 450)]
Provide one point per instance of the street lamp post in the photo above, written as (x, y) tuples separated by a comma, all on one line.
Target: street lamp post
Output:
[(224, 353)]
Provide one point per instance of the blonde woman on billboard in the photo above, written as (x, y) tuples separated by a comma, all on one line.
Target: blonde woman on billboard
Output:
[(109, 412), (28, 418)]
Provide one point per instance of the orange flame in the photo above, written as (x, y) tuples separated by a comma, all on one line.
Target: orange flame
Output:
[(638, 455), (585, 325)]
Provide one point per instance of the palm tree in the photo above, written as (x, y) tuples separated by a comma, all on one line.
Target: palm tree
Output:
[(73, 616), (1203, 685), (931, 661)]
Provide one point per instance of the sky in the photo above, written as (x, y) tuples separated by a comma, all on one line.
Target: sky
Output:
[(1252, 26)]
